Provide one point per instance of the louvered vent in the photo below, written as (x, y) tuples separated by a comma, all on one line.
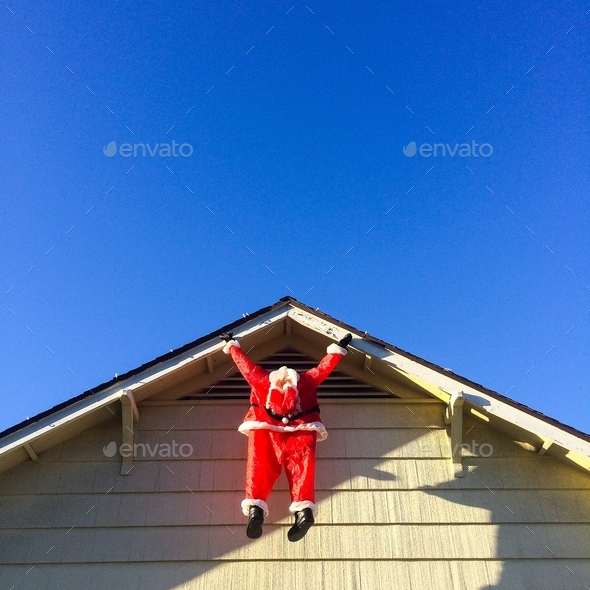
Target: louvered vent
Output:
[(337, 385)]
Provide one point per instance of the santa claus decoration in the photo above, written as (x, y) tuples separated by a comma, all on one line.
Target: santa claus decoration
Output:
[(282, 425)]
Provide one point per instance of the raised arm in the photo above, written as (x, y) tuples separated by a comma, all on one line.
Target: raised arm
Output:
[(329, 362), (251, 372)]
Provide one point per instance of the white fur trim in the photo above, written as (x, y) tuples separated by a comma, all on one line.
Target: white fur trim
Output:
[(289, 377), (247, 502), (311, 426), (230, 344), (335, 349), (293, 377), (298, 506)]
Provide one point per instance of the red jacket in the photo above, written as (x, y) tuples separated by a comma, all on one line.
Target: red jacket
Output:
[(283, 400)]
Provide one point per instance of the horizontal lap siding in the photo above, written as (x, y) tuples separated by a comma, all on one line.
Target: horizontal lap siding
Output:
[(231, 444), (532, 473), (380, 542), (264, 575), (384, 487), (337, 507)]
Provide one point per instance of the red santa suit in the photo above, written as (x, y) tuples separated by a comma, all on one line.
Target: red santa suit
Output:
[(282, 425)]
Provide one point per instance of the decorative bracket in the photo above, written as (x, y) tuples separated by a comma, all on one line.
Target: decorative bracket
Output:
[(454, 417), (129, 416), (31, 452), (547, 444)]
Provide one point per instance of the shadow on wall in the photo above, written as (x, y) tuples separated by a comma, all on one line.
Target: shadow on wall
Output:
[(539, 507)]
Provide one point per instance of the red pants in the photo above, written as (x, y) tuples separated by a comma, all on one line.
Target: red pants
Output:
[(268, 451)]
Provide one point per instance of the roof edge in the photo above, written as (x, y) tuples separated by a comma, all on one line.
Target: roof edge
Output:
[(446, 373), (415, 367), (283, 302)]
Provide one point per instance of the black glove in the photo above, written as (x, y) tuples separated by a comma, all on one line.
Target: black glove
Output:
[(345, 341), (227, 336)]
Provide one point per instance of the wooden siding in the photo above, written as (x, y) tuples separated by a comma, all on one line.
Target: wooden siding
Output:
[(391, 513)]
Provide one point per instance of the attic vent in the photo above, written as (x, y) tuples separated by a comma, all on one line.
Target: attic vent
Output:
[(338, 385)]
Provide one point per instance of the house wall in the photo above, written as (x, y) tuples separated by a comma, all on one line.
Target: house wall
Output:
[(391, 513)]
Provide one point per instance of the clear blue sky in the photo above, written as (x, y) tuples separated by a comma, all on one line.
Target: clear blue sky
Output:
[(479, 264)]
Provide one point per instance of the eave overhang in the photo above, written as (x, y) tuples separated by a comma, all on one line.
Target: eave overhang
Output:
[(516, 420)]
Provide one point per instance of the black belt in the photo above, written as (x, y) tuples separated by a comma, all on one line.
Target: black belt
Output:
[(278, 417)]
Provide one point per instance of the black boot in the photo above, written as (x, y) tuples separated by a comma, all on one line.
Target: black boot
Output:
[(303, 521), (255, 520)]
